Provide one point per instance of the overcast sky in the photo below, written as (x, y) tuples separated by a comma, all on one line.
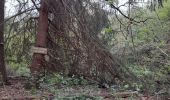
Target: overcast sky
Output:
[(10, 6)]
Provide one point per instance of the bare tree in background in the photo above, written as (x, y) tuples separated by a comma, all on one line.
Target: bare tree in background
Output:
[(2, 61)]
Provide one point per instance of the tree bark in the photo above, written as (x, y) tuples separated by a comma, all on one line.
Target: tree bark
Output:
[(2, 61), (41, 38)]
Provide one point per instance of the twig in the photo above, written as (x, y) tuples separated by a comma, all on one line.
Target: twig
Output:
[(131, 19)]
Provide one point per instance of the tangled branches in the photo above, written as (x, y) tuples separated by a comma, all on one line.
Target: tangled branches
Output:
[(75, 48)]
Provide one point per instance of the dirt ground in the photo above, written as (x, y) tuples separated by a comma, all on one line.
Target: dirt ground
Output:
[(16, 91)]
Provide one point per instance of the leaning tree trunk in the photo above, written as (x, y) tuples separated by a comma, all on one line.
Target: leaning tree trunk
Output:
[(41, 38), (2, 61)]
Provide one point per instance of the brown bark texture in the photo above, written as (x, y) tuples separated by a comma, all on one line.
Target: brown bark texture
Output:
[(2, 61), (41, 38)]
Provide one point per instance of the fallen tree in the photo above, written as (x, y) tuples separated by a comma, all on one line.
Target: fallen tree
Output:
[(74, 45)]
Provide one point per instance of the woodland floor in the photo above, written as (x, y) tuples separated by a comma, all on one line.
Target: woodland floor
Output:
[(16, 91)]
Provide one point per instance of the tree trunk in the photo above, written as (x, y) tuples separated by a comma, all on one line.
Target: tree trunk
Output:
[(41, 38), (2, 61)]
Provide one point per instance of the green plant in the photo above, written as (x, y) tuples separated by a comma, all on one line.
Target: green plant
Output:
[(81, 97)]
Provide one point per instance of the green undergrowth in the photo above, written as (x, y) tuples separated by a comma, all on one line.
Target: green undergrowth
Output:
[(82, 97)]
